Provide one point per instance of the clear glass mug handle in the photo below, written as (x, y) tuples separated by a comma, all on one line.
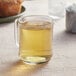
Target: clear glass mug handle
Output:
[(16, 27)]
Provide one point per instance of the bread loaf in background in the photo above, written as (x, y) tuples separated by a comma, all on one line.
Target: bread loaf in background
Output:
[(10, 7)]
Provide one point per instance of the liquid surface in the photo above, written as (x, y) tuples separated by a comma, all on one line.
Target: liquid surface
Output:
[(35, 42)]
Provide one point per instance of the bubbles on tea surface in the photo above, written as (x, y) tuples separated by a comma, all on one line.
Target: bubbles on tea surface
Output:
[(36, 25)]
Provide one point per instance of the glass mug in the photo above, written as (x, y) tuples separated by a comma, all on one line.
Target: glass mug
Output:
[(56, 8), (33, 34)]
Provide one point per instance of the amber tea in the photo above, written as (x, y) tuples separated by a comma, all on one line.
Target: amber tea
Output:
[(35, 41)]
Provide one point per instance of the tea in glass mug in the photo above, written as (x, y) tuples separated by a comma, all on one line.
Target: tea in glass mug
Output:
[(34, 34)]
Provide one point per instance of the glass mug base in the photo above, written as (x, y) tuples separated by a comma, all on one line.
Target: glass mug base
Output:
[(36, 59)]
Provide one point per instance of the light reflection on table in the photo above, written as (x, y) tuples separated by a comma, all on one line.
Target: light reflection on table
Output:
[(21, 69)]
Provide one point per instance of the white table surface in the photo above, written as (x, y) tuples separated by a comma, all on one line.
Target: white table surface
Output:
[(63, 62)]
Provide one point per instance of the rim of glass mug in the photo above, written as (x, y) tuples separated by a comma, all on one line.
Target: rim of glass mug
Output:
[(37, 17)]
